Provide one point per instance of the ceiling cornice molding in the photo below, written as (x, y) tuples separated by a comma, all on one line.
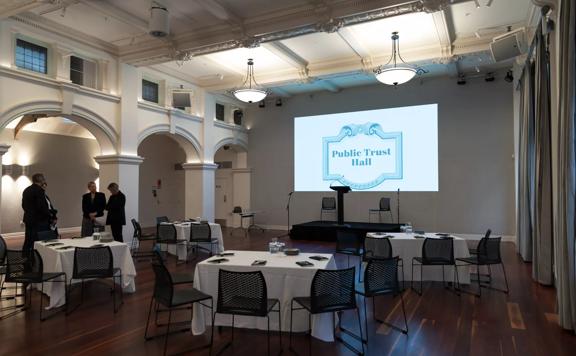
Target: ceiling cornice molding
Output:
[(38, 22), (14, 7)]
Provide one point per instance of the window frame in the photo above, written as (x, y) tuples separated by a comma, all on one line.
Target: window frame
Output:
[(32, 43), (157, 85)]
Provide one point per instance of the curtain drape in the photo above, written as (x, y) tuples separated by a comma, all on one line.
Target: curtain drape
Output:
[(565, 224), (542, 233), (526, 165)]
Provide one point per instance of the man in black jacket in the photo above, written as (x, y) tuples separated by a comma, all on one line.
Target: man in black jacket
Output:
[(37, 214), (93, 205), (116, 216)]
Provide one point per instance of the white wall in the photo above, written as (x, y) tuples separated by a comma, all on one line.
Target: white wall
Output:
[(67, 164), (476, 166), (160, 154)]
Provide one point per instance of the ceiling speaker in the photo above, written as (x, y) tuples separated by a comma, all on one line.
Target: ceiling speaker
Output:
[(509, 45), (159, 25)]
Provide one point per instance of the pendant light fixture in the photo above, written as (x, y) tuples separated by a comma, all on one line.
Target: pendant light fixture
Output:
[(250, 91), (400, 72)]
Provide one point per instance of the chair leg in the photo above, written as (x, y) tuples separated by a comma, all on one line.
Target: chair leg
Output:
[(280, 325), (148, 319), (212, 334), (310, 334), (290, 333), (167, 330), (268, 334), (404, 313), (41, 299), (366, 317), (360, 327), (478, 276), (505, 278)]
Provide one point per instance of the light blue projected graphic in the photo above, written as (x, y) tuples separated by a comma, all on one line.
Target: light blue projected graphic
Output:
[(362, 156)]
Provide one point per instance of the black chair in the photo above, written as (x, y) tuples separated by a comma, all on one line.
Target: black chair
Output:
[(46, 235), (245, 215), (167, 234), (436, 252), (245, 293), (331, 291), (96, 263), (162, 219), (137, 238), (473, 251), (177, 277), (380, 248), (350, 242), (170, 298), (3, 249), (328, 206), (488, 253), (27, 268), (383, 207), (201, 234), (381, 278)]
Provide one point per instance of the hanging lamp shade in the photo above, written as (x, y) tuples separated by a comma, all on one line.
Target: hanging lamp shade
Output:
[(250, 91), (400, 72)]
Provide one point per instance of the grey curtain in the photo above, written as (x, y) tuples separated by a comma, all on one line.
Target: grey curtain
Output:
[(542, 233), (565, 224), (526, 166)]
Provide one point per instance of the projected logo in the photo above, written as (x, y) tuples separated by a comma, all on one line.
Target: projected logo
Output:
[(362, 156)]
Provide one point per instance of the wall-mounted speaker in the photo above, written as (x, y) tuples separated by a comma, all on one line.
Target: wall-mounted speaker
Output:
[(508, 45)]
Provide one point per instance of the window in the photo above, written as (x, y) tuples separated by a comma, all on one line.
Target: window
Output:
[(219, 112), (150, 91), (82, 72), (238, 114), (31, 56)]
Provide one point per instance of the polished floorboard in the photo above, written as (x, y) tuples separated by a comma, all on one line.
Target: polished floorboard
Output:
[(440, 322)]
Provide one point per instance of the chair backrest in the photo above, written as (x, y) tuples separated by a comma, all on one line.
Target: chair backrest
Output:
[(348, 239), (381, 276), (137, 228), (237, 210), (385, 204), (3, 249), (489, 250), (438, 251), (328, 203), (377, 248), (488, 233), (200, 232), (332, 290), (161, 219), (163, 285), (166, 232), (242, 293), (46, 235), (22, 265), (93, 262)]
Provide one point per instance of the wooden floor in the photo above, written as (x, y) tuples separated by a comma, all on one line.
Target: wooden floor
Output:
[(440, 322)]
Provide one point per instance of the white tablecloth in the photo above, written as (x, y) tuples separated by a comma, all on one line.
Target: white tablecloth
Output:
[(406, 246), (183, 231), (63, 261), (284, 279)]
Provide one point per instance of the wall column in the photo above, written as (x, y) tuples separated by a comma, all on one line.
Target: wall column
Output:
[(125, 171), (200, 190), (3, 149)]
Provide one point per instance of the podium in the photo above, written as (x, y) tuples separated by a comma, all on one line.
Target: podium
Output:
[(341, 190)]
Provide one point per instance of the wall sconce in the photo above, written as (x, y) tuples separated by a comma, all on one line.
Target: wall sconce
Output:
[(14, 170)]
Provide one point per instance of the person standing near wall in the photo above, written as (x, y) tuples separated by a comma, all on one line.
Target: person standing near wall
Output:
[(116, 216), (37, 211), (93, 205)]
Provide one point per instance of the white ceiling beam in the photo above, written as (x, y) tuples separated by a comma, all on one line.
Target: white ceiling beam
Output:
[(221, 12), (117, 13), (14, 7), (328, 85), (445, 32), (286, 54)]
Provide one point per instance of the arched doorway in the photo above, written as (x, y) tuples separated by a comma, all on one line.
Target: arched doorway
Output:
[(64, 151), (232, 182)]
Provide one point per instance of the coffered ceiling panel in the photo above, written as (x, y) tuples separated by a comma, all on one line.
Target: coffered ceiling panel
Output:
[(319, 47)]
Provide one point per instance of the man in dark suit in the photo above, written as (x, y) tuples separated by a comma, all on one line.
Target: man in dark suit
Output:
[(116, 216), (37, 213), (93, 205)]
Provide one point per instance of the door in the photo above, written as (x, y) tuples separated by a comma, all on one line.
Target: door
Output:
[(223, 200)]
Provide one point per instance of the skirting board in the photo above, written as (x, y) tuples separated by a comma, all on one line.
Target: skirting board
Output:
[(64, 230), (472, 237)]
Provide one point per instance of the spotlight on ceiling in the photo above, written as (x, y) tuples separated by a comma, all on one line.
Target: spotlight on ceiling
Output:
[(509, 76), (262, 104), (279, 102), (489, 77), (159, 24), (461, 79)]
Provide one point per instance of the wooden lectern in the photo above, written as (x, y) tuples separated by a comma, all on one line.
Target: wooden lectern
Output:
[(341, 190)]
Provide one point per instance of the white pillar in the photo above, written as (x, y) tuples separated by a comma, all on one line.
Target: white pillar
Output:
[(125, 171), (241, 180), (130, 84), (6, 54), (200, 190), (3, 149), (208, 128)]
